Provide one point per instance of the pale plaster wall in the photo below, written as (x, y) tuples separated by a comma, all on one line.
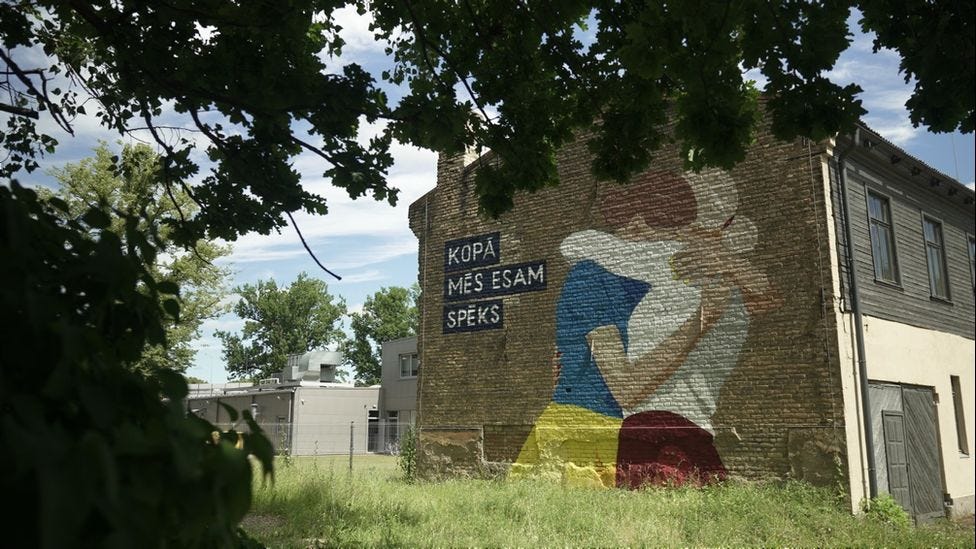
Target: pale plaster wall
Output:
[(323, 416), (900, 353), (399, 393), (854, 425), (847, 355)]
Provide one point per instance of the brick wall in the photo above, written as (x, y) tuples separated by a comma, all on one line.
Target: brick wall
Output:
[(677, 329)]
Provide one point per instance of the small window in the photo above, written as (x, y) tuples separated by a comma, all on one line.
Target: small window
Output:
[(882, 239), (972, 261), (409, 365), (960, 416), (935, 253)]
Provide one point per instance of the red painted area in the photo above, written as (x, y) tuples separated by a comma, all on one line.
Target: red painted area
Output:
[(662, 448), (663, 200)]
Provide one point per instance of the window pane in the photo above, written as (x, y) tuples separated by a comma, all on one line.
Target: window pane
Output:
[(961, 437), (935, 253), (408, 365), (972, 260), (878, 208), (937, 277), (933, 232), (883, 251)]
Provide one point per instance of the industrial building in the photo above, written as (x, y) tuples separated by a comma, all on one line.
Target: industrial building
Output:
[(807, 315), (304, 411)]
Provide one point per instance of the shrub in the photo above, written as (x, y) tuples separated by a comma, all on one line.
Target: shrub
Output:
[(96, 452), (885, 509)]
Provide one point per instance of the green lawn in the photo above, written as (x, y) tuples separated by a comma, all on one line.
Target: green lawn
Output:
[(317, 502)]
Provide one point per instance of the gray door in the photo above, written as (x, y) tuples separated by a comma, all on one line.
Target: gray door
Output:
[(896, 454), (924, 462)]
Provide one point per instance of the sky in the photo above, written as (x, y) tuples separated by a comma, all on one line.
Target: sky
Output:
[(369, 243)]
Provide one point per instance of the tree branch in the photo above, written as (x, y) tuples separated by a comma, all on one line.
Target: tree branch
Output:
[(42, 97), (19, 111), (309, 250), (424, 42)]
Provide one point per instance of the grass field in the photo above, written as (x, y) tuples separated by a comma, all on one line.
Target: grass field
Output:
[(316, 502)]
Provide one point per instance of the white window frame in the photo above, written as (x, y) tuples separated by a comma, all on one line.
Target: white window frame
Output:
[(889, 227), (412, 365), (959, 411), (941, 246), (971, 250)]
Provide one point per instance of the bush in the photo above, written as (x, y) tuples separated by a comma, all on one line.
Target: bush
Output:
[(97, 453), (407, 460), (885, 509)]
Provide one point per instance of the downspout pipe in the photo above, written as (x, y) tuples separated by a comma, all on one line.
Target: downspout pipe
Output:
[(862, 363)]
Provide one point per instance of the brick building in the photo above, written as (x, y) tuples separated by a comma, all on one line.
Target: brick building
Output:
[(695, 326)]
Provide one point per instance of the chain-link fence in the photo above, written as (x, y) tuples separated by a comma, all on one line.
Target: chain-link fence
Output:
[(309, 439)]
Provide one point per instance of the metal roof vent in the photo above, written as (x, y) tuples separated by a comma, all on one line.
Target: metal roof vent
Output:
[(312, 366)]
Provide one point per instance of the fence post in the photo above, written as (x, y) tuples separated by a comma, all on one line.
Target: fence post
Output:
[(351, 427)]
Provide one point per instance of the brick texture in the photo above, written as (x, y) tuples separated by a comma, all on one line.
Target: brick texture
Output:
[(731, 338)]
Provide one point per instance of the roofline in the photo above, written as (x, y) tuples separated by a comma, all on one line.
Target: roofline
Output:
[(914, 159)]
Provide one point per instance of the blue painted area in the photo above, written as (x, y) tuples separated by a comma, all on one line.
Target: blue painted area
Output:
[(591, 297)]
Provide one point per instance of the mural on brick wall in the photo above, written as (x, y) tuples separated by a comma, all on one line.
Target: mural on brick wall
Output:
[(650, 321)]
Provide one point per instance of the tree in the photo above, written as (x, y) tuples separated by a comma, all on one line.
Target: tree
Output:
[(96, 452), (260, 82), (390, 313), (279, 322), (257, 83), (130, 183)]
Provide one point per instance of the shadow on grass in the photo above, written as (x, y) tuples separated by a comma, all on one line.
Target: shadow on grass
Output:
[(327, 510)]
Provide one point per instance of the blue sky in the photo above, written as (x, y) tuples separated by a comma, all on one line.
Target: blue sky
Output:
[(369, 244)]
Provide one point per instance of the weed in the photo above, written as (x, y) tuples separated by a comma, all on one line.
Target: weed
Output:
[(886, 510), (407, 458)]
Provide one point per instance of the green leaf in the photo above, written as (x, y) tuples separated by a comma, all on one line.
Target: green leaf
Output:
[(229, 409), (96, 218), (168, 287), (172, 307)]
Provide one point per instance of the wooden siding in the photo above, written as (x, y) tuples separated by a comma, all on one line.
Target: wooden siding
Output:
[(910, 301)]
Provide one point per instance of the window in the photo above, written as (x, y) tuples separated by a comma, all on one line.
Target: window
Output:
[(960, 416), (882, 239), (935, 253), (972, 261), (409, 365)]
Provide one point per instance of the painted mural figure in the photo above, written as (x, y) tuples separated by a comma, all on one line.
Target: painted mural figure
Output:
[(649, 323)]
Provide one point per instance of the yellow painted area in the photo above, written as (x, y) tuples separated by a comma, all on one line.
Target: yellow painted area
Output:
[(570, 444)]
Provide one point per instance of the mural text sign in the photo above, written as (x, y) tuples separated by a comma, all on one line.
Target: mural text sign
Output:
[(472, 273), (496, 281), (471, 252), (472, 317)]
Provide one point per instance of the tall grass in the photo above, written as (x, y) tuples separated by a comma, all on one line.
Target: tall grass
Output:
[(317, 502)]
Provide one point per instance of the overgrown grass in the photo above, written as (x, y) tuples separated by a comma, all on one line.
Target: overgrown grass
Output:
[(316, 502)]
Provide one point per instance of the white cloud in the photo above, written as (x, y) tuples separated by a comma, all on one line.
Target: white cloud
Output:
[(364, 276), (890, 99), (355, 31), (898, 131), (229, 300), (413, 173), (225, 323)]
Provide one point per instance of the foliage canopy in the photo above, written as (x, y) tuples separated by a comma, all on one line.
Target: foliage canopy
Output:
[(390, 313), (281, 321), (95, 451), (130, 183), (260, 82)]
